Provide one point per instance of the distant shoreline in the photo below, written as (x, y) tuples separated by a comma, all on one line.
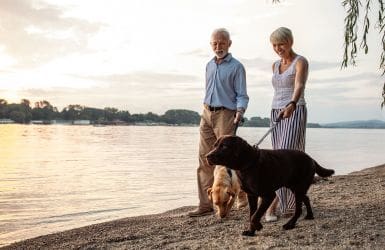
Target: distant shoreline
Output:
[(349, 214), (187, 125), (309, 125), (44, 113)]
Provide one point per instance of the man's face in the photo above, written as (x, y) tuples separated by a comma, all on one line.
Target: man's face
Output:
[(220, 44)]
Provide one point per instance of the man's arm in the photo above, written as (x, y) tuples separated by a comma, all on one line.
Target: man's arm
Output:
[(242, 98)]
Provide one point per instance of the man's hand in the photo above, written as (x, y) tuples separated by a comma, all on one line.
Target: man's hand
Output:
[(238, 117)]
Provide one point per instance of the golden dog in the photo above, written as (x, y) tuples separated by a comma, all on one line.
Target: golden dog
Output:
[(225, 190)]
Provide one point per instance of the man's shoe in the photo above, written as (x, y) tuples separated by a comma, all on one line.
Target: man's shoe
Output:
[(200, 212)]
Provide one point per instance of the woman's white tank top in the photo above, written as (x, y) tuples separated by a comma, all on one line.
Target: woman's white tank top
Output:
[(283, 85)]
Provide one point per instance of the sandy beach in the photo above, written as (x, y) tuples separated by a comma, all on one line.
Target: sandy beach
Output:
[(349, 214)]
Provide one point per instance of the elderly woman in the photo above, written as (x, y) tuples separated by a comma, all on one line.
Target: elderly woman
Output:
[(289, 78)]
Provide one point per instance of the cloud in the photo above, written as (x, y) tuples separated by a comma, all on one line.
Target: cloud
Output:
[(136, 92), (35, 32), (261, 64), (319, 65), (365, 76), (143, 77), (266, 64), (196, 53)]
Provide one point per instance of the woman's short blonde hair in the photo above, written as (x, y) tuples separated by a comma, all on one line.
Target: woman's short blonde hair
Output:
[(281, 35)]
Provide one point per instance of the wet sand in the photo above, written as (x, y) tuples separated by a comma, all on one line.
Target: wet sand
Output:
[(349, 213)]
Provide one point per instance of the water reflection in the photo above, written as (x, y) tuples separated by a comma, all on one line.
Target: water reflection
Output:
[(59, 177)]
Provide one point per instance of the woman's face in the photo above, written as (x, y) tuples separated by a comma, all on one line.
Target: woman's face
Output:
[(282, 49)]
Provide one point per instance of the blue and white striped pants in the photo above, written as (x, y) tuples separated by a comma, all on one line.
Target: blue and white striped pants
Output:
[(289, 134)]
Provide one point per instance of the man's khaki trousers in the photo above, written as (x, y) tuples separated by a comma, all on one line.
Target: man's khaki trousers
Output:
[(213, 124)]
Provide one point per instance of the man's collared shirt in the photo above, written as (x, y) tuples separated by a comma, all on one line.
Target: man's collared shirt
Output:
[(226, 84)]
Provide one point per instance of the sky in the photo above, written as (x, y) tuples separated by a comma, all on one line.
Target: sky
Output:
[(150, 55)]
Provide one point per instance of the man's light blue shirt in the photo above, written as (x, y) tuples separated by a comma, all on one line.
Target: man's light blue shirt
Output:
[(226, 84)]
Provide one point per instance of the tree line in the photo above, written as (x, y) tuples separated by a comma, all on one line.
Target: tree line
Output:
[(25, 112), (45, 111)]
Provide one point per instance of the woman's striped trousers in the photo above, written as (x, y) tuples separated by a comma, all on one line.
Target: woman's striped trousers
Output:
[(289, 134)]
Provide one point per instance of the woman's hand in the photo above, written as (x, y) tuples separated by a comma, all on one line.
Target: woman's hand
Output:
[(287, 111)]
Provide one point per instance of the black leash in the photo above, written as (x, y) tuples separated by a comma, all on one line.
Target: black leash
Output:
[(240, 123), (275, 123)]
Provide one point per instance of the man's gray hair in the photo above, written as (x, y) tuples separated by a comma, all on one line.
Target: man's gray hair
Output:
[(224, 31)]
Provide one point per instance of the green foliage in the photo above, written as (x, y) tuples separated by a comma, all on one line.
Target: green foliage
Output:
[(352, 8), (44, 111), (17, 116), (383, 96), (257, 122), (26, 109), (313, 125), (17, 112), (125, 116), (110, 114), (181, 116), (3, 108)]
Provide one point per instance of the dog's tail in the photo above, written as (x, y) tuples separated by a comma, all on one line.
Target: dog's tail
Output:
[(323, 172)]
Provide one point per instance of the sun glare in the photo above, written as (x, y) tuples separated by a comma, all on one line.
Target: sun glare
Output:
[(5, 60)]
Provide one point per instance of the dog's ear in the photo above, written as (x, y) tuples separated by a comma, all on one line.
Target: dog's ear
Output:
[(232, 197), (209, 193)]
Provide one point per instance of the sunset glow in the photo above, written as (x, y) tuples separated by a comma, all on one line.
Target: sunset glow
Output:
[(144, 56)]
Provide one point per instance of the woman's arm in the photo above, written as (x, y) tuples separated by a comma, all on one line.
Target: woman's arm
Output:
[(301, 67)]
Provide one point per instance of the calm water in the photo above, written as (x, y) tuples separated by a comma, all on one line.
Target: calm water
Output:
[(54, 178)]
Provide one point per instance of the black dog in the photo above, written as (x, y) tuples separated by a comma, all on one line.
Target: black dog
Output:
[(261, 172)]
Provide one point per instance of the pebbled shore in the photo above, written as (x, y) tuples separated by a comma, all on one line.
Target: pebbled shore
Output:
[(349, 213)]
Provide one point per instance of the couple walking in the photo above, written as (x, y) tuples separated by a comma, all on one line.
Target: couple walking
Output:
[(226, 100)]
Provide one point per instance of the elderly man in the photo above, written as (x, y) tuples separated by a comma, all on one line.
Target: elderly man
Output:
[(224, 104)]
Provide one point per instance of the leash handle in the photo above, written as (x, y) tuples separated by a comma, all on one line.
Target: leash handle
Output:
[(279, 118), (275, 123), (239, 123)]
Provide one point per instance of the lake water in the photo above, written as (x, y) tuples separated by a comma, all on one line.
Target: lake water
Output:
[(54, 178)]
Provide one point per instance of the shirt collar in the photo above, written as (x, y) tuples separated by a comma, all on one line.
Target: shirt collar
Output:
[(227, 58)]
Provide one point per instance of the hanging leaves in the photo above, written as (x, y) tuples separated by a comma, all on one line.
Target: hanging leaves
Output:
[(352, 8)]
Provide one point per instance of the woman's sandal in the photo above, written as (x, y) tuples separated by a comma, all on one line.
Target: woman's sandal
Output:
[(270, 218)]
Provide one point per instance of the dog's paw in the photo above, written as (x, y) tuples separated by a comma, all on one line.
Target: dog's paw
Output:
[(288, 226), (309, 217), (248, 233)]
